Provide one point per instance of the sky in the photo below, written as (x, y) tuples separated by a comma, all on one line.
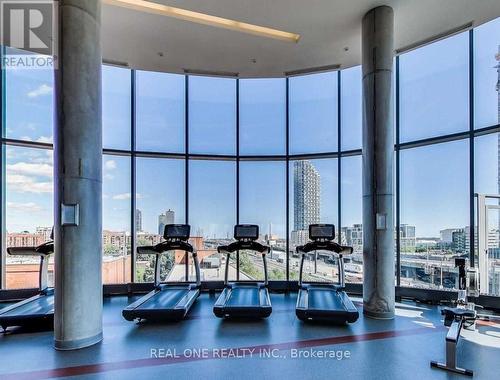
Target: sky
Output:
[(434, 179)]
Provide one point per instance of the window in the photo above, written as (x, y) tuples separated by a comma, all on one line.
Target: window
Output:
[(434, 213), (212, 214), (487, 181), (313, 113), (160, 200), (351, 103), (262, 116), (160, 110), (116, 220), (116, 106), (352, 216), (262, 202), (313, 199), (29, 104), (212, 115), (487, 74), (29, 211), (434, 89)]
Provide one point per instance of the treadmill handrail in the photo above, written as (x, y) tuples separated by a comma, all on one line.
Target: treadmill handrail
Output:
[(166, 246), (239, 245), (43, 250), (325, 246), (330, 246)]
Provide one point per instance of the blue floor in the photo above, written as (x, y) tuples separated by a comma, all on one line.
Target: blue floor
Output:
[(369, 349)]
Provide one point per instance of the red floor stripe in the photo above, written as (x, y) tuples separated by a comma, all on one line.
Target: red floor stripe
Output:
[(152, 362)]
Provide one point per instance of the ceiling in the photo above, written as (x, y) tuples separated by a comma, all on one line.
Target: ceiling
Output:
[(330, 33)]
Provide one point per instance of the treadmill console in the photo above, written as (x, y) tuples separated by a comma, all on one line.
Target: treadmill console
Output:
[(321, 232), (246, 232), (177, 232)]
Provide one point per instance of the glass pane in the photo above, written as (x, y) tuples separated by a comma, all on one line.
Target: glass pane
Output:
[(313, 113), (434, 209), (352, 216), (212, 213), (29, 212), (487, 74), (434, 89), (160, 111), (487, 181), (313, 199), (212, 115), (487, 160), (116, 107), (160, 186), (116, 219), (351, 103), (262, 116), (29, 103), (262, 202)]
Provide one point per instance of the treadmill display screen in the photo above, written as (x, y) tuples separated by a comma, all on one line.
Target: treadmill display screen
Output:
[(177, 231), (321, 231), (246, 231)]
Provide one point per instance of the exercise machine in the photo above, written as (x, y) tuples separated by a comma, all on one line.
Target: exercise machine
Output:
[(324, 301), (36, 311), (167, 301), (244, 299), (462, 316)]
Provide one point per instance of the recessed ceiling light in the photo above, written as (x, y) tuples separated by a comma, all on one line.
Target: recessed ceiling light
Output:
[(202, 18)]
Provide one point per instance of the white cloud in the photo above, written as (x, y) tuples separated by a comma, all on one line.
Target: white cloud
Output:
[(109, 176), (43, 89), (125, 196), (121, 197), (26, 184), (25, 168), (110, 165), (27, 207), (44, 139)]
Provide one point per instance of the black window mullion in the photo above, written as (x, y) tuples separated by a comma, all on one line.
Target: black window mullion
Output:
[(471, 148), (398, 187), (133, 185), (237, 171), (186, 164), (287, 174)]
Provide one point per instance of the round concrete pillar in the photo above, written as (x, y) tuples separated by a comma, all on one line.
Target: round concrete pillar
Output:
[(378, 158), (78, 177)]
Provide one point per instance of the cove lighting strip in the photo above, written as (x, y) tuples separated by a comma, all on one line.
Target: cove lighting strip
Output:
[(202, 18)]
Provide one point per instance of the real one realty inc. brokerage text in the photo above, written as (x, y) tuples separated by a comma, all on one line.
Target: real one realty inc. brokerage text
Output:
[(251, 352)]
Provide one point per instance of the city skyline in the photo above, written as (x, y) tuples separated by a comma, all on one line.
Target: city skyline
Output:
[(29, 172)]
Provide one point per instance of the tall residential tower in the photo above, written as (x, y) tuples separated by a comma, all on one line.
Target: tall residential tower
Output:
[(306, 200)]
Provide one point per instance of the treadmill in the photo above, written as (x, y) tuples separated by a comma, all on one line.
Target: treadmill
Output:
[(244, 299), (319, 301), (37, 311), (167, 301)]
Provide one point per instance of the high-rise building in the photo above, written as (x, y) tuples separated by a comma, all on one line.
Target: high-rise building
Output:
[(407, 238), (353, 237), (138, 220), (168, 217), (306, 200), (46, 232)]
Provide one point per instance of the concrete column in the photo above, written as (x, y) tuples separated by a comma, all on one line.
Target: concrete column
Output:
[(78, 176), (378, 158)]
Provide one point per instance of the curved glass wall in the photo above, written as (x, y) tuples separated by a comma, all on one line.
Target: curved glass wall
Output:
[(281, 153)]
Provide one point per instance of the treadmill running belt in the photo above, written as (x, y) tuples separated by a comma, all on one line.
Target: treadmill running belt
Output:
[(40, 306), (323, 299), (165, 299), (244, 296)]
